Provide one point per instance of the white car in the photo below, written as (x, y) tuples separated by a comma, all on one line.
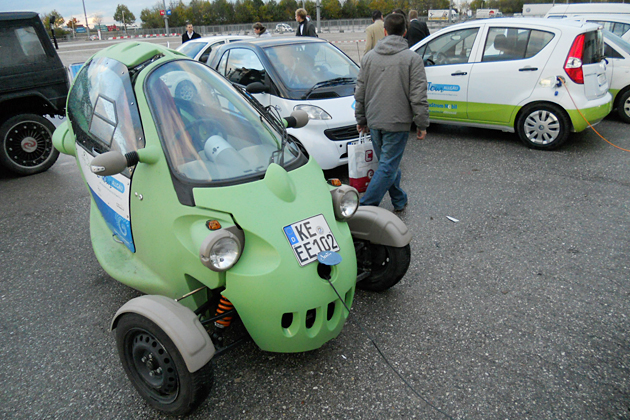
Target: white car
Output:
[(617, 53), (515, 75), (617, 24), (200, 49), (283, 27), (290, 73)]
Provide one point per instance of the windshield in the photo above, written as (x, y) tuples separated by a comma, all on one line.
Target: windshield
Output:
[(302, 66), (209, 131), (191, 49)]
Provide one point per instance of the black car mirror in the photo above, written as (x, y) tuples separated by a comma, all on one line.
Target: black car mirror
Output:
[(257, 87)]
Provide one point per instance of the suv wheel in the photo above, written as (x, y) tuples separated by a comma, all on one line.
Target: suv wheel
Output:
[(543, 126), (26, 145), (623, 106)]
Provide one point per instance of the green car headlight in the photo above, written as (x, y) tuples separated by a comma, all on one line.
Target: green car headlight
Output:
[(345, 201), (220, 250)]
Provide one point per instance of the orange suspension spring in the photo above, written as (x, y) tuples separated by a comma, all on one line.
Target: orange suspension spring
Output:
[(224, 306)]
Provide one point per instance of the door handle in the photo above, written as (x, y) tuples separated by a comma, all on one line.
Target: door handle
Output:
[(459, 73), (528, 69)]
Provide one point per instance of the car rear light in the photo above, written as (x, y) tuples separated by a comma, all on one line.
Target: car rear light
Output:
[(573, 65)]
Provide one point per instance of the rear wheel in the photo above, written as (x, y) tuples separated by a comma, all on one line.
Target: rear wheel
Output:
[(623, 106), (543, 126), (26, 146), (156, 368), (387, 265)]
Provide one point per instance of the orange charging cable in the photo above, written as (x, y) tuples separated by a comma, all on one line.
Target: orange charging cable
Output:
[(589, 124)]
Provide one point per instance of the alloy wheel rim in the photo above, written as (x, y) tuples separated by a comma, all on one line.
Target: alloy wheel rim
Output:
[(28, 144), (542, 127)]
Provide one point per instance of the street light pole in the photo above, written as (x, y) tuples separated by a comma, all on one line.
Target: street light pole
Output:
[(87, 24), (165, 18)]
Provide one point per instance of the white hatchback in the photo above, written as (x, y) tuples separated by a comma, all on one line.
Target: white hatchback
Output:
[(200, 49), (617, 53), (291, 73), (533, 76)]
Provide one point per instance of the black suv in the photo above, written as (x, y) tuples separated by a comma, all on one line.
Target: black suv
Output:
[(33, 84)]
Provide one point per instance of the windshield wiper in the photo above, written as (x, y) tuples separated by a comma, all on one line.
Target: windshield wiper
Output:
[(331, 82)]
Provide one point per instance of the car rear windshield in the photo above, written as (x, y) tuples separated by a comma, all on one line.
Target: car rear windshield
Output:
[(593, 47)]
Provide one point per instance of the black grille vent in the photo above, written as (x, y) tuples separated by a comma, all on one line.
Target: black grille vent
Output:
[(342, 133)]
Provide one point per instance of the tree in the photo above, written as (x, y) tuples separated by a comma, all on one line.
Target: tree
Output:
[(151, 18), (124, 16), (58, 19), (97, 20), (331, 9)]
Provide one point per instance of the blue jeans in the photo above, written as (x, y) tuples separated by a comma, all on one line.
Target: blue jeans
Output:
[(389, 148)]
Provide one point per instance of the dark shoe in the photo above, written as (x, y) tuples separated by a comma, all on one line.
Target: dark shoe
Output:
[(401, 209)]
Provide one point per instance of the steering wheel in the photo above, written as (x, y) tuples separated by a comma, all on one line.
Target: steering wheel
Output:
[(440, 58), (200, 130), (429, 62)]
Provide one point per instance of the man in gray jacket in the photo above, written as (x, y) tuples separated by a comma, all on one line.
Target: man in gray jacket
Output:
[(391, 93)]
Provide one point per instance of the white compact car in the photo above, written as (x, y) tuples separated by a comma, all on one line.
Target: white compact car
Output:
[(200, 49), (617, 24), (304, 73), (617, 53), (515, 75), (283, 27)]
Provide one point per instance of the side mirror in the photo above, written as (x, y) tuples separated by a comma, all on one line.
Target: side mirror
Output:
[(112, 162), (298, 119), (257, 87)]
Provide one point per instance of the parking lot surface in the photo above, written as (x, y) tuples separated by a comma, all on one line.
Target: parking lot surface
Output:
[(519, 310)]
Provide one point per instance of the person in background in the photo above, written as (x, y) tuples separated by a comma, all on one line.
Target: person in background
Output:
[(189, 34), (402, 12), (391, 93), (260, 31), (418, 30), (305, 28), (374, 32)]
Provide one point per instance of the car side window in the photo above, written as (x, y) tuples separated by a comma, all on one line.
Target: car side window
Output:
[(451, 48), (244, 67), (204, 57), (22, 45), (610, 52), (505, 44), (103, 110), (620, 29), (223, 63)]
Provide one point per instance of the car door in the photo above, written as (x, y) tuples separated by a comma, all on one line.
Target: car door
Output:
[(243, 67), (104, 115), (448, 70), (510, 66)]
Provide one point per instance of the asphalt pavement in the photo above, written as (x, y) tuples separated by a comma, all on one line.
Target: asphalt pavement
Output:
[(519, 310)]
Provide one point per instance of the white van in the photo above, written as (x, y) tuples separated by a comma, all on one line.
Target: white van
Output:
[(567, 10), (514, 74)]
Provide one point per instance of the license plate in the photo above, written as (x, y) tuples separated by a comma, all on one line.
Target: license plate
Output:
[(309, 237)]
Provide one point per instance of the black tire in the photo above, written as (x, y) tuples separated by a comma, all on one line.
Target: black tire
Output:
[(387, 265), (623, 106), (143, 348), (543, 126), (26, 146)]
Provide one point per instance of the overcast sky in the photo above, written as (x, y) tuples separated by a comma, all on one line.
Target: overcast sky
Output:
[(70, 8)]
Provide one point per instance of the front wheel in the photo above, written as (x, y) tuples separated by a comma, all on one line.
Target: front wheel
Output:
[(156, 368), (386, 265), (543, 126), (623, 106), (26, 146)]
